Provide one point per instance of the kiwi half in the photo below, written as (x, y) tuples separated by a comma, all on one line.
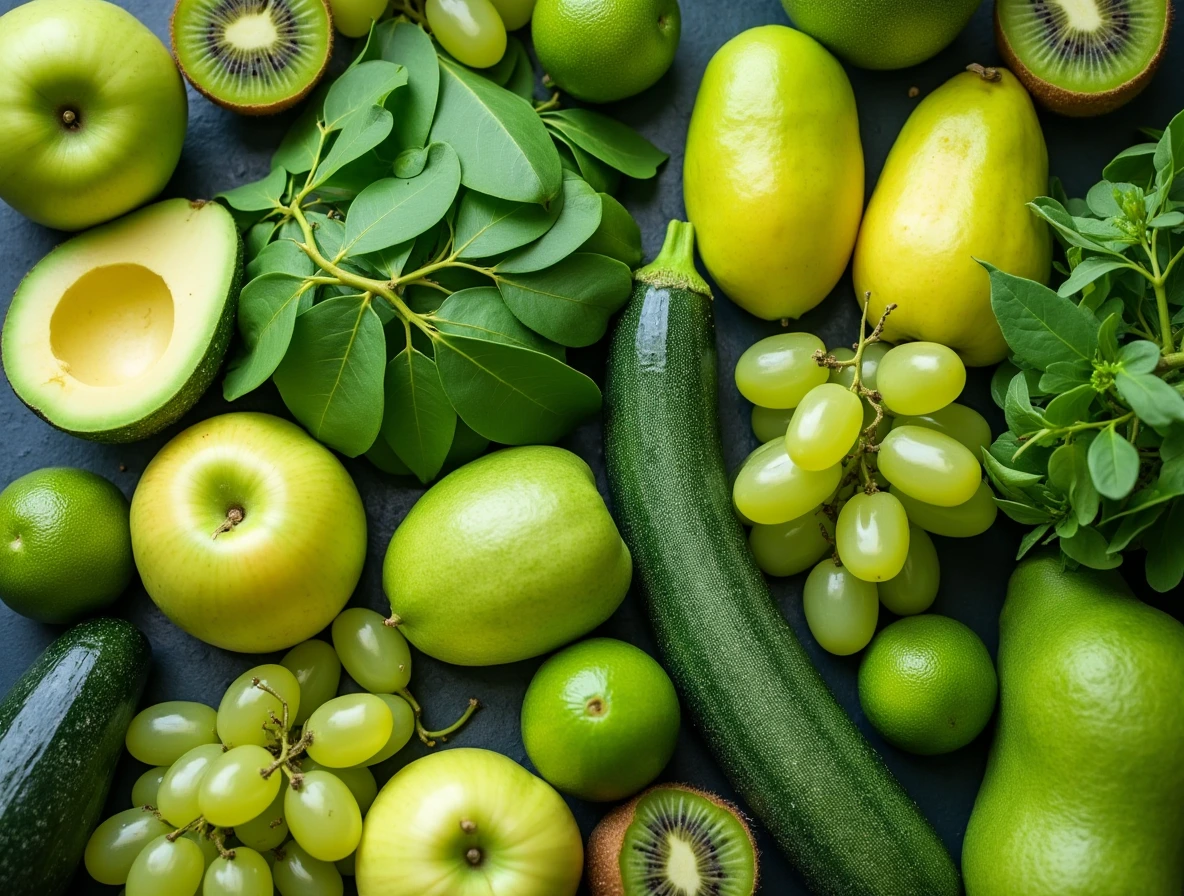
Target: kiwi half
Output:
[(673, 841), (1083, 57), (257, 57)]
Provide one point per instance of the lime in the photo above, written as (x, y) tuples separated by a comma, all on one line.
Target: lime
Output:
[(600, 720), (927, 684), (65, 544), (605, 50)]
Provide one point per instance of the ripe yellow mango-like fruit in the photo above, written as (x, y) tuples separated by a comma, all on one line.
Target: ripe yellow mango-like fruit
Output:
[(773, 176), (955, 189)]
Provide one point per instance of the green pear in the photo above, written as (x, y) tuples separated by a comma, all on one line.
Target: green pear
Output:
[(1084, 790), (507, 558)]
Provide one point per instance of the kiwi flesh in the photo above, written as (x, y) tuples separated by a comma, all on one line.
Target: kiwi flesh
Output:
[(673, 840), (256, 57), (1083, 57)]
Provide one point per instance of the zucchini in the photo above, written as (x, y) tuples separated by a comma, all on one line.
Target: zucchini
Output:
[(61, 734), (786, 744)]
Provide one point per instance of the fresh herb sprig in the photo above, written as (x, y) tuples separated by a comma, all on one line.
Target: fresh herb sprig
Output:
[(429, 242), (1093, 458)]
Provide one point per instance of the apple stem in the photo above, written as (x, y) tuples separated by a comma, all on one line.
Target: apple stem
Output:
[(430, 737), (394, 622), (987, 74), (70, 119), (234, 516)]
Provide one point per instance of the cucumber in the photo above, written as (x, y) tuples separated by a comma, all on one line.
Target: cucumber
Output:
[(61, 734), (785, 743)]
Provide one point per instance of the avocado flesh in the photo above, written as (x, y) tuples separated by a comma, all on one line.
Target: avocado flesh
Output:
[(117, 332)]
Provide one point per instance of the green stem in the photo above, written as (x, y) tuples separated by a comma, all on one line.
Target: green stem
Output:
[(1061, 432), (430, 737), (674, 268), (1172, 361), (548, 105)]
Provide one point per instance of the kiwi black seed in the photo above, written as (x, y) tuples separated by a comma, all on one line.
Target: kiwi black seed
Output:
[(1083, 57), (253, 56), (673, 841)]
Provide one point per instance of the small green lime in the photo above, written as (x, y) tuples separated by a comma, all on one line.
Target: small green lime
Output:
[(600, 720), (927, 684), (601, 51), (65, 544)]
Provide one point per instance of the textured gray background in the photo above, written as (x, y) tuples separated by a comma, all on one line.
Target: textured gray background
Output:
[(222, 150)]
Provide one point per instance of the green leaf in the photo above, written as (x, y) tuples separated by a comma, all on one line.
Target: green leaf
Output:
[(419, 422), (1068, 470), (1030, 540), (521, 79), (1101, 201), (411, 162), (1033, 460), (618, 235), (1169, 154), (298, 149), (1040, 326), (1156, 403), (1108, 337), (1133, 526), (281, 257), (1022, 418), (267, 309), (1087, 272), (396, 209), (503, 147), (1165, 561), (609, 140), (466, 446), (328, 233), (360, 89), (499, 72), (1167, 219), (1010, 482), (480, 313), (256, 239), (1173, 444), (362, 132), (1066, 225), (1071, 407), (1140, 356), (1000, 380), (1134, 165), (511, 395), (1113, 464), (602, 177), (261, 195), (578, 219), (1062, 376), (487, 226), (331, 378), (388, 263), (1024, 513), (571, 302), (1088, 547), (409, 45)]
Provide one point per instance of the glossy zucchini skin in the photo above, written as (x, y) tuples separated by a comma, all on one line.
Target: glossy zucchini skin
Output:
[(61, 734), (788, 747)]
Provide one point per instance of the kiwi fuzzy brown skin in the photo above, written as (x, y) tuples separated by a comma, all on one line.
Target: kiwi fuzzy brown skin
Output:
[(1072, 103), (603, 871), (249, 108)]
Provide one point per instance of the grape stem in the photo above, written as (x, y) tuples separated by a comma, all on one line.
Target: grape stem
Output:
[(218, 835), (431, 737), (288, 751)]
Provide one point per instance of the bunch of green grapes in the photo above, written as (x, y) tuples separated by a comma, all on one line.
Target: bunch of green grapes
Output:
[(268, 792), (864, 453)]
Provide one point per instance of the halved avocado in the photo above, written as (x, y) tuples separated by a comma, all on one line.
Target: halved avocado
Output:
[(117, 332)]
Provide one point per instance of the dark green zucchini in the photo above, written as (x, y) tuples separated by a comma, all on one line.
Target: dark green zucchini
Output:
[(785, 743), (61, 734)]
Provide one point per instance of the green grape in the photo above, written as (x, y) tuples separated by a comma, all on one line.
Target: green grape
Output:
[(771, 488), (114, 845), (246, 874), (318, 672), (872, 536), (267, 830), (374, 654), (245, 708), (845, 376), (974, 517), (824, 427), (353, 17), (914, 589), (471, 30), (347, 865), (929, 466), (770, 423), (840, 608), (785, 549), (147, 786), (209, 849), (177, 798), (233, 789), (349, 730), (360, 781), (299, 874), (161, 734), (514, 13), (958, 421), (166, 868), (920, 378), (403, 718), (777, 372), (323, 816)]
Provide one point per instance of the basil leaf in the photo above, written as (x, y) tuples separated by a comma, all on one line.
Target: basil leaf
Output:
[(260, 195), (578, 219), (1063, 376), (609, 140), (1087, 272), (360, 89), (282, 257), (1071, 407), (1022, 417), (511, 395), (480, 313), (1068, 470), (1113, 464), (1024, 513), (486, 225), (396, 209), (571, 302), (331, 377), (267, 309), (419, 422), (1165, 561), (1088, 547), (362, 132), (618, 235), (1040, 326), (413, 109), (1157, 404), (503, 147), (1140, 356), (1030, 540)]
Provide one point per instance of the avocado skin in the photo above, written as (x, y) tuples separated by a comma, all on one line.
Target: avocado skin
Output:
[(1084, 789)]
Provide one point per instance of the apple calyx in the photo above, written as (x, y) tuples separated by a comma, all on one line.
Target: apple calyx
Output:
[(234, 516), (71, 120), (474, 856), (595, 707)]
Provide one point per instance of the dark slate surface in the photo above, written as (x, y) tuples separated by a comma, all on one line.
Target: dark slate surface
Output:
[(223, 150)]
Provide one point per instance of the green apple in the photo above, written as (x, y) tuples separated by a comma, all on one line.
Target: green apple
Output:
[(469, 823), (92, 110), (248, 534)]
